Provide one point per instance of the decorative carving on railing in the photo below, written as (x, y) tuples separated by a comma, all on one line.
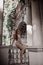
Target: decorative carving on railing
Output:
[(14, 56)]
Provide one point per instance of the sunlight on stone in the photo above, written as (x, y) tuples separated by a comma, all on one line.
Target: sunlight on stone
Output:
[(29, 29), (29, 35), (1, 5)]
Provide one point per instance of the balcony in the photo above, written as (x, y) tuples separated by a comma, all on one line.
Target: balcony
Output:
[(14, 55), (11, 56)]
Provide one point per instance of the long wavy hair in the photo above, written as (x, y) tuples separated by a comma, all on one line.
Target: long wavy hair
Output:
[(16, 35)]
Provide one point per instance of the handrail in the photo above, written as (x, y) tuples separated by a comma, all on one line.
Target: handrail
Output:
[(31, 49)]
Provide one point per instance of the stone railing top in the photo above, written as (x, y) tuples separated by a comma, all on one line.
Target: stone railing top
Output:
[(30, 49)]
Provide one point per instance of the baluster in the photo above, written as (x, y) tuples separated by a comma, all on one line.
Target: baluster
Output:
[(17, 55), (25, 57), (13, 55), (9, 57), (21, 57), (28, 57)]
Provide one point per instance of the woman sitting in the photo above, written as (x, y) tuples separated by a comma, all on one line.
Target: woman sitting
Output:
[(18, 42)]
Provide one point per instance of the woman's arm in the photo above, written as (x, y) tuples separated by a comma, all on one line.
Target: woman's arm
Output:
[(13, 39), (13, 42)]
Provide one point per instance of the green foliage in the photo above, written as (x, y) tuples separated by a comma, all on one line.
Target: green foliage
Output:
[(9, 20), (4, 37), (9, 23)]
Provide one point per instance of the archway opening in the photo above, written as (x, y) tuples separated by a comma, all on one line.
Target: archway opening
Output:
[(23, 32), (22, 28)]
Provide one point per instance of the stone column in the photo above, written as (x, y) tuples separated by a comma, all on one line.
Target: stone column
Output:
[(0, 27), (27, 17), (37, 38), (41, 15)]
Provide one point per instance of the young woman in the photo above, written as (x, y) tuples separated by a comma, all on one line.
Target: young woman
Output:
[(18, 42)]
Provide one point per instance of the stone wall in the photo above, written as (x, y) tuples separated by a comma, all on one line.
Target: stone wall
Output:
[(37, 37)]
